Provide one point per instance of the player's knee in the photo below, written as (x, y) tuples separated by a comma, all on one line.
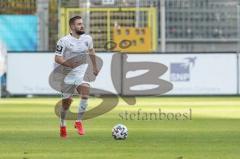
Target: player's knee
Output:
[(84, 96), (67, 102), (85, 85), (83, 90)]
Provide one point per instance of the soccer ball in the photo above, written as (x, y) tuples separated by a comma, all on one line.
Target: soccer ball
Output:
[(119, 132)]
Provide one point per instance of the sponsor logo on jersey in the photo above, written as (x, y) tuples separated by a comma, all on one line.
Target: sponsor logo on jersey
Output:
[(59, 48)]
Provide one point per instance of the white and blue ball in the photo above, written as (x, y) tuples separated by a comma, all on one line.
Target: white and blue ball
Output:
[(119, 132)]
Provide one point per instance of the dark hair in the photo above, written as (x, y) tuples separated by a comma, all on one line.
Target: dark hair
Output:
[(73, 19)]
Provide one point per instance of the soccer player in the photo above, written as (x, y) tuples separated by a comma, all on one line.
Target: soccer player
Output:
[(76, 43)]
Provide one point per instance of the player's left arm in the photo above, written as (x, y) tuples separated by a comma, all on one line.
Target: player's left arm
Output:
[(93, 59), (92, 55)]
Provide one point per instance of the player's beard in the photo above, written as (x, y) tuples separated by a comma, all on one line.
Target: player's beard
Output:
[(79, 32)]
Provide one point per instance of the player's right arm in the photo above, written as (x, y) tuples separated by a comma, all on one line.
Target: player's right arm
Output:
[(60, 60), (60, 48)]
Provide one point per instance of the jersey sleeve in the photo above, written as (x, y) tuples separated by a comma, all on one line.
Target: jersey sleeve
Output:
[(60, 47), (90, 44)]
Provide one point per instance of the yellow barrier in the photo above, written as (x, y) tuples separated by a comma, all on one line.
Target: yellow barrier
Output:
[(103, 31), (132, 39)]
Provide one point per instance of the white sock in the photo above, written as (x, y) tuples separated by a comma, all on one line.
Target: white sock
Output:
[(81, 109), (63, 113)]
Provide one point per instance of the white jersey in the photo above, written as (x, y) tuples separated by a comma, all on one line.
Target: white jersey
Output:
[(68, 47)]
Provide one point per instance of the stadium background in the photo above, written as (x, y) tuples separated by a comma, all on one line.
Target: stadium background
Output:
[(198, 40), (195, 30)]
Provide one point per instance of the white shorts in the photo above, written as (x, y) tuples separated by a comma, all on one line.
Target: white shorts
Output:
[(74, 79)]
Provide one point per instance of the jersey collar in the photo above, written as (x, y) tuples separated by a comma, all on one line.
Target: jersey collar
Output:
[(74, 37)]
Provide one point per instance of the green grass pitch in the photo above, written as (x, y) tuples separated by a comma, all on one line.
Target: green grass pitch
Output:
[(29, 129)]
